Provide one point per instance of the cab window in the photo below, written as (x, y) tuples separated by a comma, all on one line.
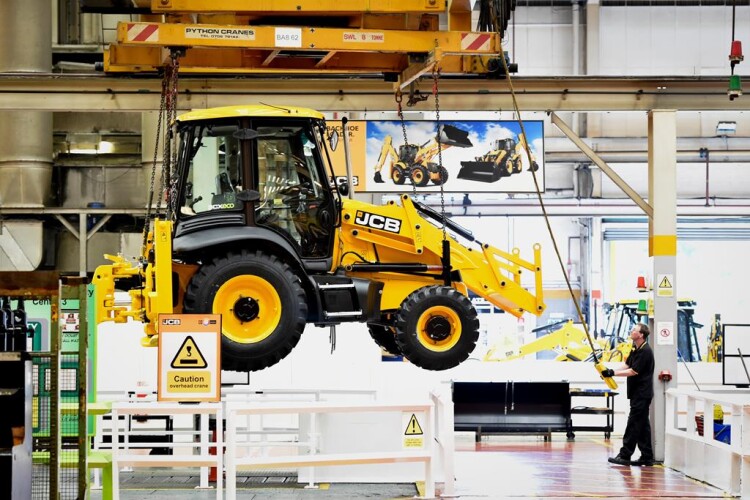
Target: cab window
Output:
[(214, 171), (293, 200)]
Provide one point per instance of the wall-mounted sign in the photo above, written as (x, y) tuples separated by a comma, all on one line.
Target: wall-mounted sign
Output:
[(462, 156), (411, 422), (189, 357), (665, 285)]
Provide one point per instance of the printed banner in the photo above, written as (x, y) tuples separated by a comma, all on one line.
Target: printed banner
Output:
[(463, 156)]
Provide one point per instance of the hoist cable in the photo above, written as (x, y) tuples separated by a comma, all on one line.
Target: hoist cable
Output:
[(597, 359)]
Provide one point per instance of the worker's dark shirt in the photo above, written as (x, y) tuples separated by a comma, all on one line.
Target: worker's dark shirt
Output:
[(641, 360)]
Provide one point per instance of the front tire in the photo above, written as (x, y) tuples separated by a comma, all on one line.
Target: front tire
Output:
[(262, 304), (437, 327), (441, 177)]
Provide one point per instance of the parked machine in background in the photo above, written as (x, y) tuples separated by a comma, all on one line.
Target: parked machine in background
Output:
[(612, 343), (715, 341), (415, 163)]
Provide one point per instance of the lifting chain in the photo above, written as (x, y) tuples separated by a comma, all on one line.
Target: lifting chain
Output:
[(399, 97), (167, 113), (436, 93), (169, 160)]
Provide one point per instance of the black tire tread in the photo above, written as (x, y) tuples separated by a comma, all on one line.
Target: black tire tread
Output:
[(203, 280), (406, 336)]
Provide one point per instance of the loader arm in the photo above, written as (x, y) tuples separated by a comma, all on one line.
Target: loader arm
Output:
[(373, 236), (568, 341), (449, 136)]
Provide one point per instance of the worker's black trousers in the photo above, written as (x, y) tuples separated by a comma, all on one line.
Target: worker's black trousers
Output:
[(638, 430)]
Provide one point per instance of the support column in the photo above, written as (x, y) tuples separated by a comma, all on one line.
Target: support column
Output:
[(662, 246), (591, 58)]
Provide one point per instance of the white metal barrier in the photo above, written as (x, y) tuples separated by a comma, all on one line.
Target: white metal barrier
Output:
[(236, 411), (724, 465), (123, 456)]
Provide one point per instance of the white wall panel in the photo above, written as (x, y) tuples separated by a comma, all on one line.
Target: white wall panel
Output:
[(661, 40), (726, 180), (541, 40)]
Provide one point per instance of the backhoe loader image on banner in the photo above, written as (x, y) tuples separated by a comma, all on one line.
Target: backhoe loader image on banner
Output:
[(259, 234), (505, 159), (415, 163)]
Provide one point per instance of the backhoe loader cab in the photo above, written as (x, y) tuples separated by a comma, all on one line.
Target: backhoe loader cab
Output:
[(259, 234), (415, 163)]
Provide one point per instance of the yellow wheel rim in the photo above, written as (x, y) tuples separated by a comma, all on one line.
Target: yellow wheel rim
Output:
[(240, 291), (396, 176), (417, 176), (439, 312)]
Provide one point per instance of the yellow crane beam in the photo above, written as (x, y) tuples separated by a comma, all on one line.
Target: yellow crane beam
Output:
[(220, 48), (287, 7)]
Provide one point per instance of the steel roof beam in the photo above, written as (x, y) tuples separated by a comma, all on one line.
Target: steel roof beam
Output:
[(68, 92)]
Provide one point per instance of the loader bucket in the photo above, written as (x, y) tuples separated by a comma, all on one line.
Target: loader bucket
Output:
[(482, 171), (453, 136)]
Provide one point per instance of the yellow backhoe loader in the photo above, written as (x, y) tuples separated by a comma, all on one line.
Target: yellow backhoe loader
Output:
[(504, 160), (415, 163), (568, 342), (612, 343), (258, 232)]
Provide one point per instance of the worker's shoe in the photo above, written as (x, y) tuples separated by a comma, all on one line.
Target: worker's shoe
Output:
[(378, 178), (619, 460), (645, 462)]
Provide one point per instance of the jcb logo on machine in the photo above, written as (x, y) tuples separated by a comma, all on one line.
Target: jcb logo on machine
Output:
[(171, 321), (377, 221)]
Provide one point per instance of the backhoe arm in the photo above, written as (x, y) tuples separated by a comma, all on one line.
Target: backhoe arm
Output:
[(385, 152)]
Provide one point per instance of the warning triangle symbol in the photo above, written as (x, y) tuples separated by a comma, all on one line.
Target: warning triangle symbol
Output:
[(413, 428), (189, 356), (665, 283)]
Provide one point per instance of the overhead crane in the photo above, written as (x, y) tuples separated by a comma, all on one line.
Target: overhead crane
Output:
[(400, 40)]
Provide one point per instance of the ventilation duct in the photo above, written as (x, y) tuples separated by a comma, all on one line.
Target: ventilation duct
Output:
[(25, 136)]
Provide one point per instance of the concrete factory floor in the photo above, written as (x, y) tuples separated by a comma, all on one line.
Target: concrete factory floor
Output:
[(498, 467)]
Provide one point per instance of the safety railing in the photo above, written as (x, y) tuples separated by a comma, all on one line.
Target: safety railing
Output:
[(198, 454), (720, 458), (306, 452)]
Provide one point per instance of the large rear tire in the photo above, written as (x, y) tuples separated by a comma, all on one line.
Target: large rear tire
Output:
[(420, 177), (262, 304), (385, 337), (437, 327)]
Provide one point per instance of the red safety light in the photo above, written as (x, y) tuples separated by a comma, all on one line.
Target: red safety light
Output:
[(641, 286), (735, 54)]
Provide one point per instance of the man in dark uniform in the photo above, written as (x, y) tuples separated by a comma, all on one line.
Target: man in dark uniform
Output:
[(639, 368)]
